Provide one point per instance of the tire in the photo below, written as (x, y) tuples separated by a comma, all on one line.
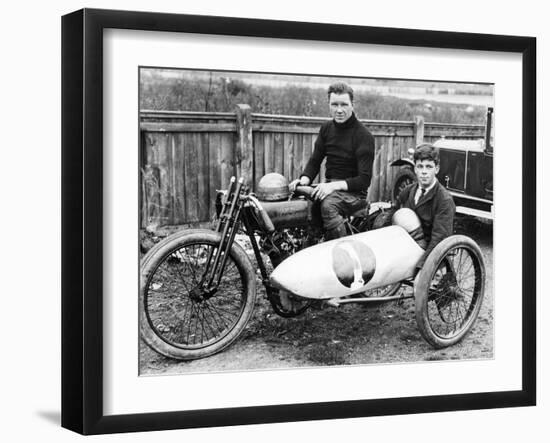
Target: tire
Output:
[(449, 291), (404, 178), (178, 321)]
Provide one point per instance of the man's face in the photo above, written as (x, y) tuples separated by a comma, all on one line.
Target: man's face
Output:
[(341, 107), (425, 171)]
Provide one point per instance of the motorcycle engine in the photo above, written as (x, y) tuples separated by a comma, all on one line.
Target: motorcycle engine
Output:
[(283, 243), (278, 246)]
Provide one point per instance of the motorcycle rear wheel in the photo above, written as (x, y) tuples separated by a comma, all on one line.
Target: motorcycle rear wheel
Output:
[(177, 318)]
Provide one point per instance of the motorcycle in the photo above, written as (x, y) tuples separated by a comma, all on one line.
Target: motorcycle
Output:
[(198, 286)]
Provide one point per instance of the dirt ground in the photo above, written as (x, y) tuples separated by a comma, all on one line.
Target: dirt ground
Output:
[(348, 335)]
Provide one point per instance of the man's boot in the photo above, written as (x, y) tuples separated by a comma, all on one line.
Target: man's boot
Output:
[(337, 232)]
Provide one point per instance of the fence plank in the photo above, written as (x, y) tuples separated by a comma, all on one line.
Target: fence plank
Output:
[(306, 152), (227, 159), (152, 174), (278, 147), (191, 183), (288, 155), (286, 129), (164, 164), (178, 156), (214, 156), (418, 135), (374, 188), (188, 127), (204, 172), (259, 154), (142, 179), (384, 167), (269, 149), (243, 150), (152, 195), (297, 164), (389, 171)]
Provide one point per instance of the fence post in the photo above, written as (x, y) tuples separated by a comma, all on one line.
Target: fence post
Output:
[(418, 131), (243, 152)]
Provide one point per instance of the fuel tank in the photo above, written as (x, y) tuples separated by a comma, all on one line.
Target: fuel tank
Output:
[(288, 213), (349, 265)]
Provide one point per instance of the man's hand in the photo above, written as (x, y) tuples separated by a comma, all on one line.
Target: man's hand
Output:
[(324, 189), (302, 181)]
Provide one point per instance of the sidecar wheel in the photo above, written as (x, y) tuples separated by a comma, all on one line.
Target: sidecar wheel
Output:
[(176, 319), (449, 291)]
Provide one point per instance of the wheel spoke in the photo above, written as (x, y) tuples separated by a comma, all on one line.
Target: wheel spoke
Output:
[(217, 326), (195, 317), (202, 326), (217, 316), (470, 265), (186, 259), (217, 310), (182, 278)]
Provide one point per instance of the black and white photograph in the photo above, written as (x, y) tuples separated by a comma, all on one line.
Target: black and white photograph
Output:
[(296, 221), (275, 221)]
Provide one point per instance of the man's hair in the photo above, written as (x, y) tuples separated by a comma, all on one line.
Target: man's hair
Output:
[(426, 151), (340, 88)]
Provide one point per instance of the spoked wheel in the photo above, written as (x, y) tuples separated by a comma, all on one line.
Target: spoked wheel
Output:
[(403, 178), (449, 291), (179, 317)]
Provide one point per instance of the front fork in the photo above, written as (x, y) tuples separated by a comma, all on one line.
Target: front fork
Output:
[(231, 216), (228, 226)]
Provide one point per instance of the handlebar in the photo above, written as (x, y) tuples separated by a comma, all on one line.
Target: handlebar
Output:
[(306, 191)]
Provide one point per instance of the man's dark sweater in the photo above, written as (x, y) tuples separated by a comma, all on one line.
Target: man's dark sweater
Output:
[(349, 149)]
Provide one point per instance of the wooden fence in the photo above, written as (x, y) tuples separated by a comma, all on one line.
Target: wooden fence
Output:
[(186, 156)]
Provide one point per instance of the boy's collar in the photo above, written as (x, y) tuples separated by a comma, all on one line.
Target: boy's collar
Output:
[(429, 188)]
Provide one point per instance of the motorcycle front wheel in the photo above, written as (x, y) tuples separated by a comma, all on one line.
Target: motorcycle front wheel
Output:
[(178, 318)]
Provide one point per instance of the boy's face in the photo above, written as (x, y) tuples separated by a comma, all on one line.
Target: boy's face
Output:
[(425, 171)]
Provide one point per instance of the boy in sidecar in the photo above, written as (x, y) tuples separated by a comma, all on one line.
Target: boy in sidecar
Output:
[(429, 199)]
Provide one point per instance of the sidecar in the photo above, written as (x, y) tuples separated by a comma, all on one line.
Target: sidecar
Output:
[(448, 290)]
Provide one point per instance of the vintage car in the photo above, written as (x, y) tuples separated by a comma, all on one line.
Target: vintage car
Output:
[(466, 170)]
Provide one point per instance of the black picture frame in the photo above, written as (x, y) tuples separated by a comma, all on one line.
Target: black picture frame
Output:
[(82, 219)]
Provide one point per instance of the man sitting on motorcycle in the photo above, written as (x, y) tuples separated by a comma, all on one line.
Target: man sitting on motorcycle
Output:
[(348, 148)]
